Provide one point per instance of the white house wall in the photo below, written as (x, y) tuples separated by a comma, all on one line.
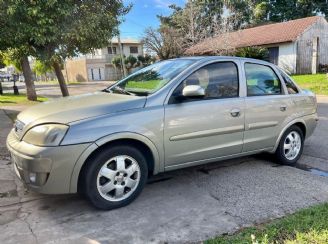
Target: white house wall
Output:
[(126, 50), (287, 57)]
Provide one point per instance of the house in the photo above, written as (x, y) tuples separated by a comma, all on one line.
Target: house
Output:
[(98, 65), (298, 46)]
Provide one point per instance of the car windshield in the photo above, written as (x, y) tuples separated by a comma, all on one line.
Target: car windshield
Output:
[(150, 79)]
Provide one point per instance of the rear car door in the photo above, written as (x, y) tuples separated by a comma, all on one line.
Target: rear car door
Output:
[(268, 106), (200, 129)]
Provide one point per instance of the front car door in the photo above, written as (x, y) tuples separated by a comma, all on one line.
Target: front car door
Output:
[(203, 129), (268, 107)]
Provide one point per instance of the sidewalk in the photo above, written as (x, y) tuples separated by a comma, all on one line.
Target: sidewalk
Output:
[(5, 126)]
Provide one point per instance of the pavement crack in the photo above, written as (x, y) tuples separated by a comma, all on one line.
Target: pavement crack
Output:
[(30, 228), (214, 197)]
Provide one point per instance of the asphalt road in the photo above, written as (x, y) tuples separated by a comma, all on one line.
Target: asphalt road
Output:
[(53, 91), (187, 205)]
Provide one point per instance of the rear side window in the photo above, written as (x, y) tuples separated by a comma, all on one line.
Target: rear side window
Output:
[(291, 87), (261, 80), (219, 80)]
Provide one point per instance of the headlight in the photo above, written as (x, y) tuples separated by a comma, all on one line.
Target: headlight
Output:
[(46, 135)]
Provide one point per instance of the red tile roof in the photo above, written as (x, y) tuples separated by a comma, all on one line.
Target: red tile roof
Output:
[(256, 36)]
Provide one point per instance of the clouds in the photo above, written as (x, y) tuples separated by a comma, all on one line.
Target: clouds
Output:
[(167, 3)]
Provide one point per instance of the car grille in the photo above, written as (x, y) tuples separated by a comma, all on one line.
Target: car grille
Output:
[(18, 128)]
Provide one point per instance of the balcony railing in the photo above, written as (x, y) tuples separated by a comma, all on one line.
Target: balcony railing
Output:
[(104, 58)]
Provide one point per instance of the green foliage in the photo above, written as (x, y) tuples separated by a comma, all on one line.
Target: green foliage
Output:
[(148, 59), (59, 28), (116, 61), (141, 59), (130, 61), (11, 57), (306, 226), (41, 68), (252, 52), (294, 9), (11, 99), (2, 62)]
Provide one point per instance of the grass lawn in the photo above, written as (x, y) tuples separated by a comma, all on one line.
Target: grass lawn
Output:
[(305, 226), (54, 82), (317, 83), (11, 99), (144, 85)]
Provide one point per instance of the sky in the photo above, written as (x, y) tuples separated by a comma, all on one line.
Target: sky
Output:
[(143, 15)]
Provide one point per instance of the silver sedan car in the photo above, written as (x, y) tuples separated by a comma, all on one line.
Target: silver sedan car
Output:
[(172, 114)]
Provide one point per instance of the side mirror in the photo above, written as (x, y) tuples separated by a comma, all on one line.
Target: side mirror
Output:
[(193, 91)]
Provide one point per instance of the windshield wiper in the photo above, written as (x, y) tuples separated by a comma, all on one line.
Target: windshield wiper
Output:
[(120, 90)]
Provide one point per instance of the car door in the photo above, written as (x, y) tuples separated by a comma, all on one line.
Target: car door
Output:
[(201, 129), (267, 107)]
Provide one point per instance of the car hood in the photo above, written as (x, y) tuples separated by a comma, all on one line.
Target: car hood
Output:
[(74, 108)]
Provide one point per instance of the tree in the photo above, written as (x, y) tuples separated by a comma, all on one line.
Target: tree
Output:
[(295, 9), (130, 61), (41, 68), (56, 30), (199, 20), (165, 42), (18, 58), (14, 43), (252, 52), (117, 61)]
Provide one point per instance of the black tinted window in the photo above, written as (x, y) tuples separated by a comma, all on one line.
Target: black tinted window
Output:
[(261, 80), (219, 80), (292, 89)]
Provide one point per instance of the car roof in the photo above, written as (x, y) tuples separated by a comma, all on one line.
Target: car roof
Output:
[(209, 58)]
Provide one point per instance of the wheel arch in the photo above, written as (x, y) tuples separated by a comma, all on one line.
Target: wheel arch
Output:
[(299, 122), (141, 142)]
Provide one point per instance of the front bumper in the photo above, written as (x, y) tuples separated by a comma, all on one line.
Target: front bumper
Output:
[(44, 169)]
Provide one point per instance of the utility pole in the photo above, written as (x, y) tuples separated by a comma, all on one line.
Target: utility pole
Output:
[(121, 54)]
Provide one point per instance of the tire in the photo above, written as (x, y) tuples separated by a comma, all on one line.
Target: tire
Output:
[(290, 147), (114, 177)]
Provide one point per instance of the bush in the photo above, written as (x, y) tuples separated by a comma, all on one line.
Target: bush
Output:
[(116, 61), (130, 60), (323, 68), (252, 52)]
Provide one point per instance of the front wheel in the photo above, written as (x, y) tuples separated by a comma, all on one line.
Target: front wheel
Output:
[(115, 177), (290, 146)]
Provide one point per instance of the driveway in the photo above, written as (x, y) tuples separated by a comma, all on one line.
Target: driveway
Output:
[(187, 205)]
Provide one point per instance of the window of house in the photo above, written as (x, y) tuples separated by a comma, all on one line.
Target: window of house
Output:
[(291, 87), (134, 49), (261, 80), (219, 80), (111, 50)]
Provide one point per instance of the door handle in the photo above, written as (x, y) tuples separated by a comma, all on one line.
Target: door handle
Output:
[(283, 108), (235, 112)]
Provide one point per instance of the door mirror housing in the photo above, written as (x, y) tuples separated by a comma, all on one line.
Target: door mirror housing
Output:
[(193, 91)]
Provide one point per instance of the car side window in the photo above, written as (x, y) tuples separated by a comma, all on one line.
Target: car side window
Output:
[(291, 87), (219, 80), (261, 80)]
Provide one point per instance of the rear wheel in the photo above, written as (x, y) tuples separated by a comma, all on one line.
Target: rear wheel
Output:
[(115, 177), (291, 146)]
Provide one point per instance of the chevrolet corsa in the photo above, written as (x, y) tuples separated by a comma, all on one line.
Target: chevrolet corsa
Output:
[(172, 114)]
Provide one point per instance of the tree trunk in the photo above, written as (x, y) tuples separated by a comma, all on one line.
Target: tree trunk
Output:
[(61, 79), (29, 83)]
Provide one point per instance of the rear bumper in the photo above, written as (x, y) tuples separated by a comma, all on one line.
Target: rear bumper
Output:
[(311, 122), (44, 169)]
